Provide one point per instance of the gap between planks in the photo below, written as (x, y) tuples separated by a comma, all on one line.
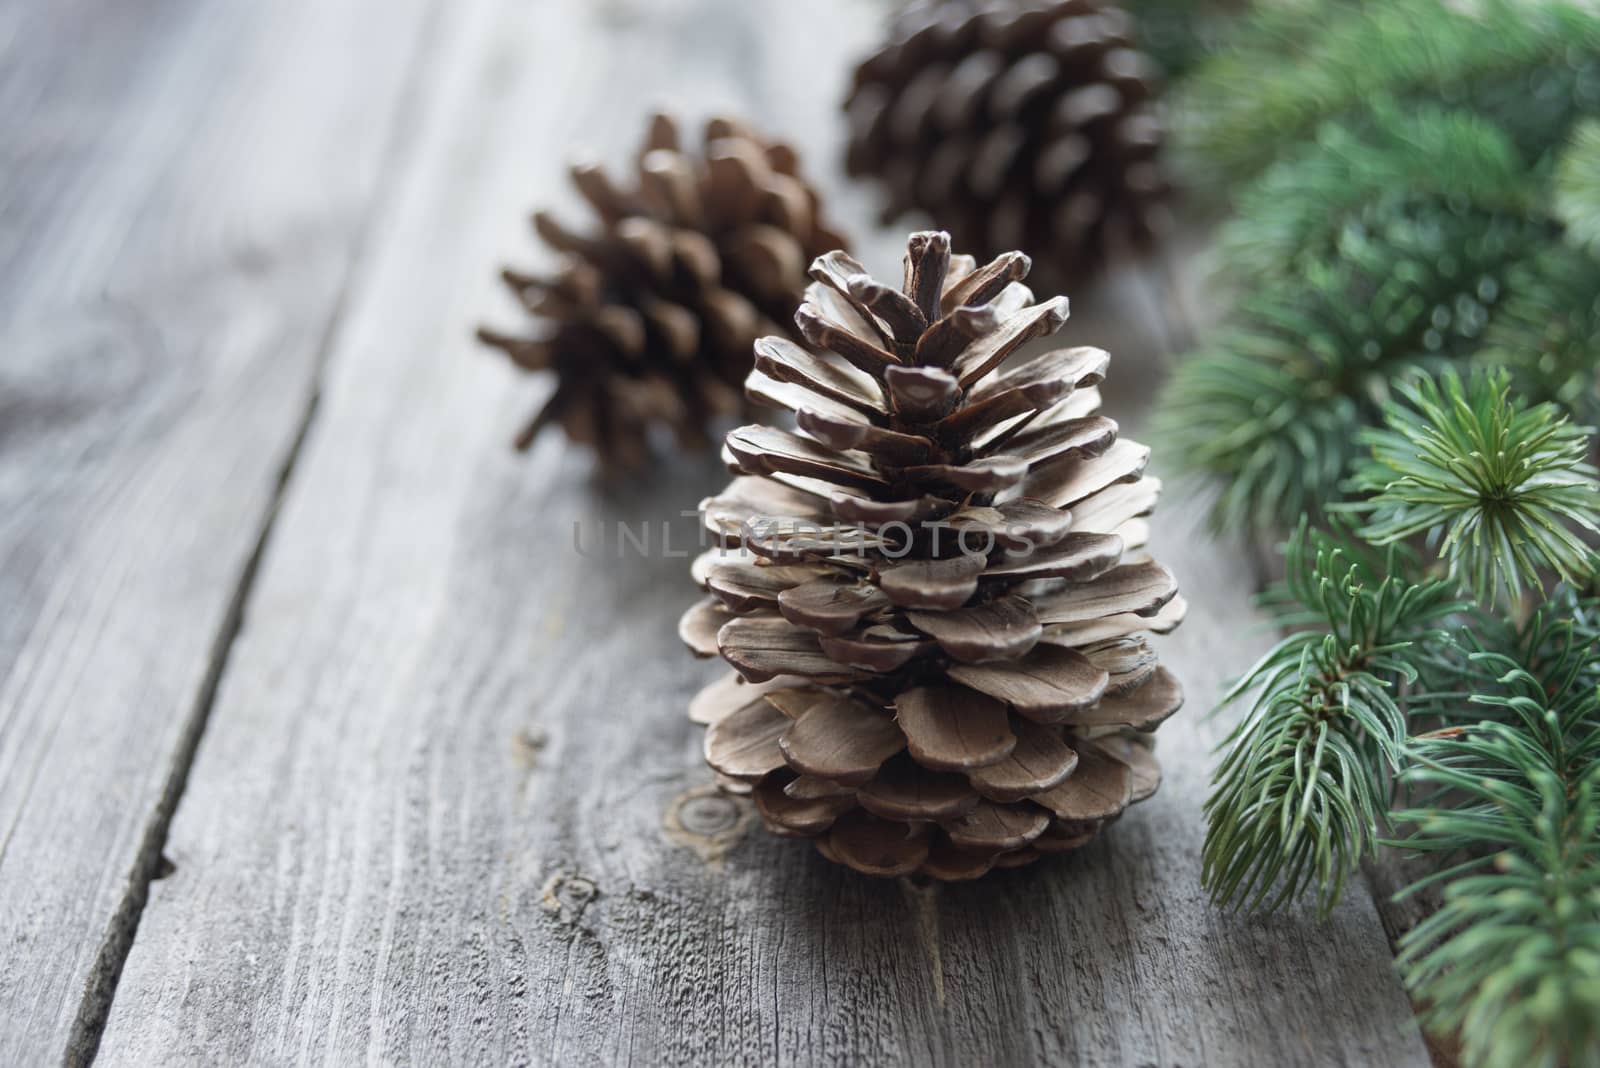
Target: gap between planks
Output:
[(94, 1009), (83, 1041)]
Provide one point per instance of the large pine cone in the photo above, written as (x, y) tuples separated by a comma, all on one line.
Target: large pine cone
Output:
[(650, 319), (933, 594), (1017, 124)]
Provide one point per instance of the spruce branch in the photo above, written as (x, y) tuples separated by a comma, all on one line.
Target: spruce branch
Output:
[(1495, 485), (1294, 213), (1302, 792), (1511, 962), (1533, 65), (1547, 332), (1577, 186), (1271, 408)]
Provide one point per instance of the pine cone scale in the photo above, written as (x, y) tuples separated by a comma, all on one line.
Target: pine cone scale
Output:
[(1039, 761), (840, 740)]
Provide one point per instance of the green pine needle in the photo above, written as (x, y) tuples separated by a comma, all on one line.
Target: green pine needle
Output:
[(1301, 794), (1511, 961), (1548, 331), (1405, 173), (1295, 212), (1271, 408), (1495, 485), (1577, 184), (1178, 34), (1531, 65)]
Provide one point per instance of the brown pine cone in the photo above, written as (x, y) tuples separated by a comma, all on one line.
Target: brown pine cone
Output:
[(934, 594), (649, 320), (1018, 124)]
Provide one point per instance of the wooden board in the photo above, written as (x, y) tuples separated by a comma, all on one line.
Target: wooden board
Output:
[(447, 807), (181, 209)]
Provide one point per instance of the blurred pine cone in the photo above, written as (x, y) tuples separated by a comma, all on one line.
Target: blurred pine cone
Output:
[(649, 319), (934, 595), (1018, 124)]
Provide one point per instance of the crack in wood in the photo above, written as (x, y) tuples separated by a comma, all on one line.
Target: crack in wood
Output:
[(150, 862), (83, 1040)]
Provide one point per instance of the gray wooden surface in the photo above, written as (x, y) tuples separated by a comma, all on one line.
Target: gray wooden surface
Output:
[(444, 805), (185, 194)]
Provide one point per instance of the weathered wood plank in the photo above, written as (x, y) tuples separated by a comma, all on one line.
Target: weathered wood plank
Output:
[(448, 807), (180, 209)]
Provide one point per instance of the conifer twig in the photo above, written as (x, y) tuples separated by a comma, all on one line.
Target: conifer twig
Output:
[(1511, 961), (1302, 792)]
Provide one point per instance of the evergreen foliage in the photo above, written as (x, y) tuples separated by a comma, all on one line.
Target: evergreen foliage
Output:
[(1533, 66), (1494, 486), (1378, 638), (1511, 962), (1401, 163), (1415, 351), (1577, 186), (1403, 179), (1179, 34), (1302, 793), (1548, 331), (1272, 406)]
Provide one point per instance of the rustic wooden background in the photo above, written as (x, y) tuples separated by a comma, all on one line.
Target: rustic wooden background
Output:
[(319, 742)]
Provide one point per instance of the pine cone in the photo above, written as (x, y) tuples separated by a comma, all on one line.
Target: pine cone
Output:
[(649, 320), (1019, 124), (933, 594)]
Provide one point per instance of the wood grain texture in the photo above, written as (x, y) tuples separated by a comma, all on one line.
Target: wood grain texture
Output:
[(179, 211), (448, 807)]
